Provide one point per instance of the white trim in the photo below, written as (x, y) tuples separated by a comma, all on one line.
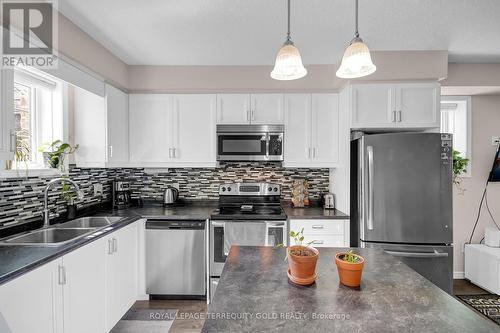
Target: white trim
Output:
[(23, 173), (458, 275)]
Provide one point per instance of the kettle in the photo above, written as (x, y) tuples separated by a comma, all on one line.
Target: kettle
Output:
[(170, 195)]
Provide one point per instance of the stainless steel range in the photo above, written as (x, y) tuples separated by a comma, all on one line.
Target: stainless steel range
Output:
[(248, 214)]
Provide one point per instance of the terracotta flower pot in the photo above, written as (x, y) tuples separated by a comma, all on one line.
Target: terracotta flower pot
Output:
[(349, 273), (302, 267)]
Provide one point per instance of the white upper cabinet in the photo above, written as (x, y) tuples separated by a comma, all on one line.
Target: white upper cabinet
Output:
[(264, 109), (194, 130), (150, 124), (311, 130), (172, 130), (233, 108), (117, 125), (392, 106), (267, 109), (418, 105), (101, 127), (325, 129), (297, 129), (7, 137)]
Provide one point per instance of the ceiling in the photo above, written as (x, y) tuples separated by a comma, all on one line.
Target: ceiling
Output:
[(250, 32)]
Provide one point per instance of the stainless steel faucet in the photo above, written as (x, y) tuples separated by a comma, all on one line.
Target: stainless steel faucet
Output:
[(46, 214)]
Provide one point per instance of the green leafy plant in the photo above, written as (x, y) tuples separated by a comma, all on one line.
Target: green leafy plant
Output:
[(56, 152), (459, 167), (22, 153), (351, 257), (298, 238), (67, 194)]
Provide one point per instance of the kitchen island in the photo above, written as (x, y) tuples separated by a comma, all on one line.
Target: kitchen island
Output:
[(254, 295)]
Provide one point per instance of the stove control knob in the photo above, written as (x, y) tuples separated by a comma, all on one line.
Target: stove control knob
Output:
[(229, 189), (275, 189), (223, 189), (270, 189)]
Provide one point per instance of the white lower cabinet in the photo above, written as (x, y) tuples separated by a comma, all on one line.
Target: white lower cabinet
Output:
[(84, 273), (86, 290), (32, 302), (323, 233), (121, 273)]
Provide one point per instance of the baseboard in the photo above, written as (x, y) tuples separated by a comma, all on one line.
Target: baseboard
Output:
[(144, 297), (458, 275)]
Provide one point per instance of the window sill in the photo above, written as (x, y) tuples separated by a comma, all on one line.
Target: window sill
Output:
[(23, 173)]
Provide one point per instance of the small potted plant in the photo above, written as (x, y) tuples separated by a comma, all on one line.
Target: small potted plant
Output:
[(350, 268), (459, 167), (69, 196), (302, 259), (55, 152)]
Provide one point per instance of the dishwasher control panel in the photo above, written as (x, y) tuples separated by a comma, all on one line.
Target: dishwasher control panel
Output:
[(174, 224)]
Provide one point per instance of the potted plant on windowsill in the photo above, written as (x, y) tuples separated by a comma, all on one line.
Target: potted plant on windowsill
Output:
[(302, 260), (350, 268), (459, 167), (55, 152), (69, 196)]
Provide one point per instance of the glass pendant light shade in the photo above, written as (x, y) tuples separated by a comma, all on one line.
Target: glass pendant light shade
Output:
[(357, 61), (288, 65)]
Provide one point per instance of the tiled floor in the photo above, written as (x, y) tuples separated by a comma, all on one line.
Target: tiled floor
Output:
[(190, 315)]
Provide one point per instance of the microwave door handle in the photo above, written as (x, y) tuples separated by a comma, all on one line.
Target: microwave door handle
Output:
[(267, 144), (369, 150)]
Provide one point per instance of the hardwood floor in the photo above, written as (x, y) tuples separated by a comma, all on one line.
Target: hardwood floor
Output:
[(190, 315), (465, 287)]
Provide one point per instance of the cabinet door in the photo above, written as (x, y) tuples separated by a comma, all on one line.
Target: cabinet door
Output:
[(31, 302), (325, 129), (89, 128), (233, 109), (121, 280), (267, 109), (7, 138), (150, 128), (297, 130), (372, 106), (84, 288), (117, 125), (418, 105), (194, 129)]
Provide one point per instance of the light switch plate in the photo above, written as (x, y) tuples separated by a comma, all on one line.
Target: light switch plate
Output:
[(495, 140), (98, 190)]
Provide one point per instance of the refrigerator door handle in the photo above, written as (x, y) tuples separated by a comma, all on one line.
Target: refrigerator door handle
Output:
[(434, 254), (369, 224)]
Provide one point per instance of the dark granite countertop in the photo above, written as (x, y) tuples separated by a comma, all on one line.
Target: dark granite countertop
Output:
[(313, 212), (254, 293), (16, 260)]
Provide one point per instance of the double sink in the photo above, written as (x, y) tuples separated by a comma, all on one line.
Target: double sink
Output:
[(63, 233)]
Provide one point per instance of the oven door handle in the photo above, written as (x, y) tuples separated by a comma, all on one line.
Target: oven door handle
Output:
[(275, 224)]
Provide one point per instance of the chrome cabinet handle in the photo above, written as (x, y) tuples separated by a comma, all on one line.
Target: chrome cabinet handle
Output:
[(252, 115), (393, 116), (110, 246), (369, 150), (309, 153), (12, 142), (314, 152), (60, 274), (318, 227), (434, 254), (248, 115), (115, 245), (169, 152), (318, 242), (398, 116), (110, 151)]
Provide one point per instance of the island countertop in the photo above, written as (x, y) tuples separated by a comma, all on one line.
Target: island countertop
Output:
[(254, 295)]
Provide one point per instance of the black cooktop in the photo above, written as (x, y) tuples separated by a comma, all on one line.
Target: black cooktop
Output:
[(249, 212)]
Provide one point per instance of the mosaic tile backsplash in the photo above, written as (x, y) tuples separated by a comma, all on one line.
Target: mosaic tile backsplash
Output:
[(21, 199)]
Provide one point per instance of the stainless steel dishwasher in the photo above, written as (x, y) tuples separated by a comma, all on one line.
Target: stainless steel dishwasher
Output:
[(175, 259)]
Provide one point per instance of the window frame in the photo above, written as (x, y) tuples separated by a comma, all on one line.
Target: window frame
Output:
[(468, 101)]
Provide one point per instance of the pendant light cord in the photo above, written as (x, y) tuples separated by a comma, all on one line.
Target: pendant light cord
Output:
[(356, 33), (288, 38)]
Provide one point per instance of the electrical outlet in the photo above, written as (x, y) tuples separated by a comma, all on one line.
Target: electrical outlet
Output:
[(495, 140), (98, 190)]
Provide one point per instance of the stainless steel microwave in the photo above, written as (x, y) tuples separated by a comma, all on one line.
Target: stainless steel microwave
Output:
[(250, 142)]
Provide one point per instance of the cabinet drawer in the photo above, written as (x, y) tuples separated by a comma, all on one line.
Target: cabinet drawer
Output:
[(325, 240), (332, 227)]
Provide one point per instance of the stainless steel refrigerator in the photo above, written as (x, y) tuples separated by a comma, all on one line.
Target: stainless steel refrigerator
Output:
[(401, 200)]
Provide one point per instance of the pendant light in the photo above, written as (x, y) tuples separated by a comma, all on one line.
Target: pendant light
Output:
[(357, 61), (288, 65)]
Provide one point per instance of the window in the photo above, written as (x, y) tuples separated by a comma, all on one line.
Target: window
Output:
[(38, 115), (456, 119)]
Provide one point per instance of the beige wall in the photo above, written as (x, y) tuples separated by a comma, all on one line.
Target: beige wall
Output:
[(80, 47), (485, 124)]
